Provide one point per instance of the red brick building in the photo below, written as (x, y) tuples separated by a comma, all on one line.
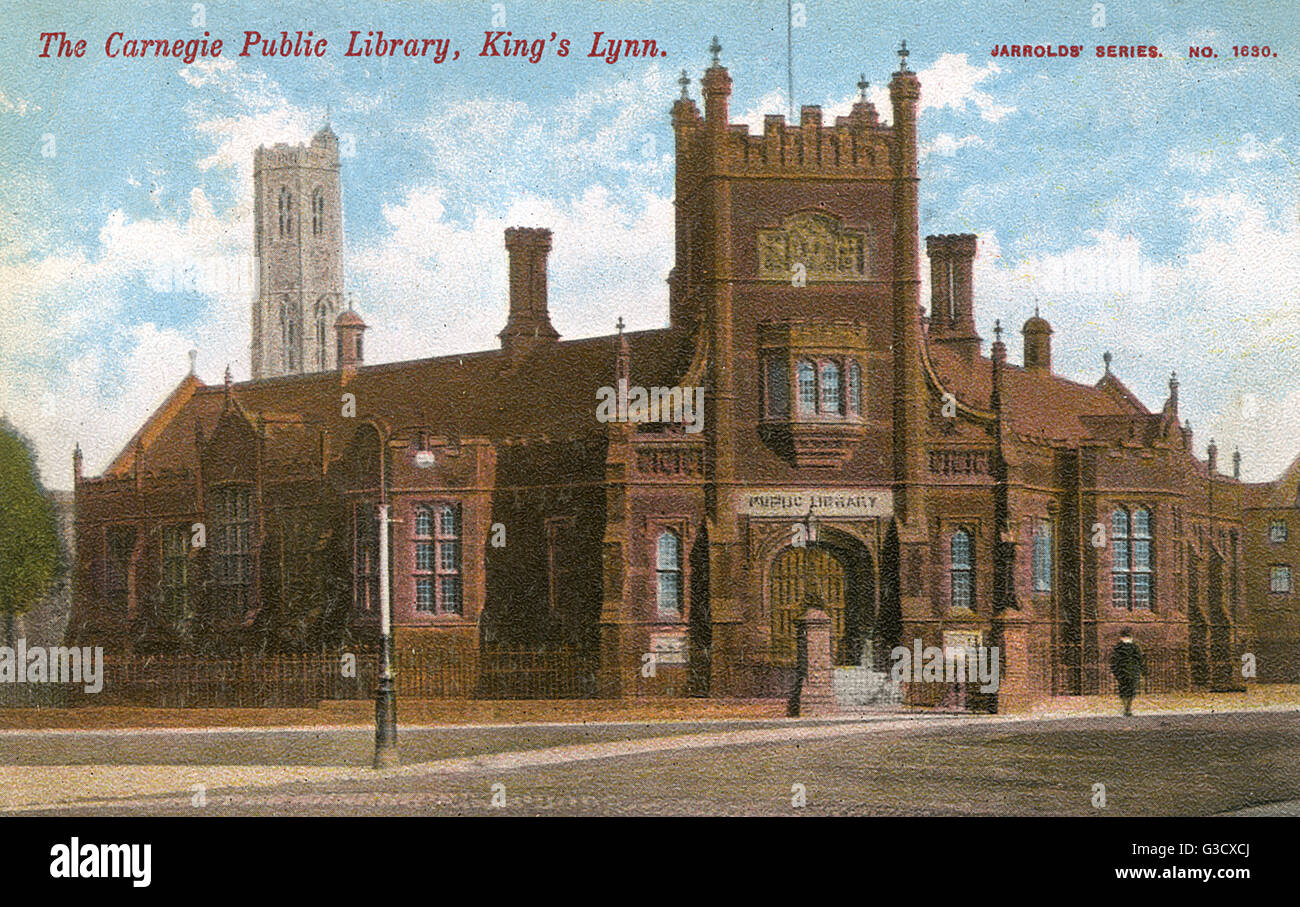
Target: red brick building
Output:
[(946, 495)]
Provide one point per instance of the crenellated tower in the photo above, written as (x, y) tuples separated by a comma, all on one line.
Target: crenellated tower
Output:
[(797, 276), (298, 246)]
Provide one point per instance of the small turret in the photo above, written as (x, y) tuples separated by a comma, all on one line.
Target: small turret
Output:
[(348, 329), (1038, 344)]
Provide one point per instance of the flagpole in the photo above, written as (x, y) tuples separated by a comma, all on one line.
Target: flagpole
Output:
[(789, 59)]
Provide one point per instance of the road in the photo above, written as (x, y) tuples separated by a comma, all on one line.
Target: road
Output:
[(1205, 764)]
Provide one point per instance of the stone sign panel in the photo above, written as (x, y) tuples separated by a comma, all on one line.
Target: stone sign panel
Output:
[(824, 502)]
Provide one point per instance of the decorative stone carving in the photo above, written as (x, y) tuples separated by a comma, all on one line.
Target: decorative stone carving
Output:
[(819, 242)]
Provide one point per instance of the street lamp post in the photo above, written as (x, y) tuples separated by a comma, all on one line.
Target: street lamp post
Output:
[(385, 695)]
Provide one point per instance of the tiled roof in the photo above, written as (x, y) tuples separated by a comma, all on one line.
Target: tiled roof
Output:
[(550, 391), (1037, 404)]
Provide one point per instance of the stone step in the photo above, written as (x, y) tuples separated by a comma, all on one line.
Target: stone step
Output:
[(856, 687)]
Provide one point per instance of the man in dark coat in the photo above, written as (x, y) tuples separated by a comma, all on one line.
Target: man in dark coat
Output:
[(1128, 665)]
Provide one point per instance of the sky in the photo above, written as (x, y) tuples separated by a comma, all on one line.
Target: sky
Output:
[(1149, 208)]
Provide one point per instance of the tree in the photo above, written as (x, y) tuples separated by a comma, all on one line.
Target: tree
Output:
[(31, 555)]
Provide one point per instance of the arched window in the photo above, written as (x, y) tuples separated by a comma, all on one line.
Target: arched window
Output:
[(317, 213), (1132, 566), (322, 331), (286, 212), (807, 375), (778, 388), (831, 398), (853, 399), (962, 571), (668, 572), (1043, 556), (290, 334)]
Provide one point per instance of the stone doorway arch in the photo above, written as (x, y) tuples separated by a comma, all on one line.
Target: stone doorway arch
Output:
[(839, 569)]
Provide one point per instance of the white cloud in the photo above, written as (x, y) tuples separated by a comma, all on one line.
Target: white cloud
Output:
[(1223, 314), (16, 105), (774, 102), (430, 286), (951, 82), (946, 144)]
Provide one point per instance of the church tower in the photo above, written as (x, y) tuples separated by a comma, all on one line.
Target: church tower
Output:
[(298, 244)]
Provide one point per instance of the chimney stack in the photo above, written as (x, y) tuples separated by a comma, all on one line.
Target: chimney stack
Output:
[(530, 321), (952, 308)]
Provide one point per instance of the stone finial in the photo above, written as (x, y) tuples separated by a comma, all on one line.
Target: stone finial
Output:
[(903, 54), (685, 81), (715, 48), (1106, 359), (863, 85), (194, 358), (230, 378)]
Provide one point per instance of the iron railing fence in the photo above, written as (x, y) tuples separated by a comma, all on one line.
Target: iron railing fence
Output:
[(1079, 672), (304, 680)]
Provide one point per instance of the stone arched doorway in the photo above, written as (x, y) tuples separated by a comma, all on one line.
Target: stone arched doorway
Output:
[(838, 568)]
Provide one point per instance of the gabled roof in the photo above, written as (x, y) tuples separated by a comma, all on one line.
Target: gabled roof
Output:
[(549, 391), (1037, 404), (155, 425)]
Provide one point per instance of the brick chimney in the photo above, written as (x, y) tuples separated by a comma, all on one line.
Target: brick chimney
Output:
[(530, 321), (952, 308)]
